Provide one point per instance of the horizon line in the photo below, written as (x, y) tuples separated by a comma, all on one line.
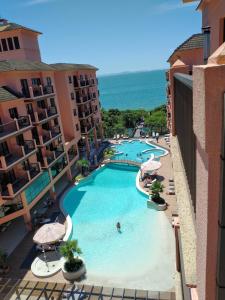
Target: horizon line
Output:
[(128, 72)]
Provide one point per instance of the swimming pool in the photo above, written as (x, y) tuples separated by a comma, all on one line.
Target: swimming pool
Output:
[(138, 151), (142, 256)]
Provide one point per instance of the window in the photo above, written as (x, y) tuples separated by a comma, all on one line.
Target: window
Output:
[(52, 101), (13, 113), (70, 79), (10, 43), (41, 104), (206, 32), (4, 45), (36, 81), (16, 42), (72, 96), (77, 127), (20, 140), (49, 80), (74, 112), (25, 88), (4, 150)]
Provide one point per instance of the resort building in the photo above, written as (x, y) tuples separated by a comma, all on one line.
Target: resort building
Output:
[(49, 117), (196, 90)]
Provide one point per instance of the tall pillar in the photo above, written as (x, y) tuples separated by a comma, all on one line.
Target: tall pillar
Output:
[(52, 193), (96, 138), (69, 174), (101, 131), (27, 215), (87, 145)]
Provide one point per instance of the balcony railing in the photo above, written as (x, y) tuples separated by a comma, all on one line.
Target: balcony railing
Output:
[(14, 187), (15, 126), (37, 91), (86, 129), (72, 153), (43, 114), (29, 146), (33, 170), (18, 153), (51, 156), (48, 89), (85, 114), (48, 135)]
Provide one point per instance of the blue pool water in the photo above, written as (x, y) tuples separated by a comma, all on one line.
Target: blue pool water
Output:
[(143, 253), (134, 151)]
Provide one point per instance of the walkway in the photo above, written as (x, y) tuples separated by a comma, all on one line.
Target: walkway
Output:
[(22, 289), (122, 161)]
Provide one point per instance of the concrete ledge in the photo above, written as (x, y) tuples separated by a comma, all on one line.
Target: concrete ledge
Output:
[(187, 223)]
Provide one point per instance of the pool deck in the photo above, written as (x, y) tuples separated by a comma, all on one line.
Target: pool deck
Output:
[(20, 268)]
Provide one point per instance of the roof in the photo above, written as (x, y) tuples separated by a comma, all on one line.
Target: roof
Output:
[(193, 42), (6, 95), (13, 26), (71, 67), (23, 65)]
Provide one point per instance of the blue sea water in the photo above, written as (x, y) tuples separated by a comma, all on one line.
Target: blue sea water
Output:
[(135, 90)]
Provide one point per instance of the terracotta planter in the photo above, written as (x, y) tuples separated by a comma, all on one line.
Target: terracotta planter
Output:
[(72, 276)]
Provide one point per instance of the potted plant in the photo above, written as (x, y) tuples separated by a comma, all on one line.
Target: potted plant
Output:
[(73, 267), (83, 165), (4, 267), (157, 188)]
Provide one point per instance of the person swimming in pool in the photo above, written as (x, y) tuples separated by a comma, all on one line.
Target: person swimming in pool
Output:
[(118, 226)]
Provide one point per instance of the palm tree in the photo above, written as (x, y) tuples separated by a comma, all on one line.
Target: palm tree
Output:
[(67, 250), (156, 188), (83, 165)]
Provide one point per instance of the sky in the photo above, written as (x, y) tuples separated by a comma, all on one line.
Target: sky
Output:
[(114, 35)]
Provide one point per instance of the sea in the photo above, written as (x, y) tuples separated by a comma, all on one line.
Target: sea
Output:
[(133, 90)]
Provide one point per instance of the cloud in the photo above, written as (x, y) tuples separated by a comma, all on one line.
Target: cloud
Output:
[(166, 6), (36, 2)]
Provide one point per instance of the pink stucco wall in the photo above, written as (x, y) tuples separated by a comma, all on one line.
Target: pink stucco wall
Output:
[(29, 48), (207, 120), (213, 13), (189, 57)]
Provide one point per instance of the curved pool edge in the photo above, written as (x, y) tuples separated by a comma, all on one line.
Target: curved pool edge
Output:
[(69, 223), (138, 184), (157, 147)]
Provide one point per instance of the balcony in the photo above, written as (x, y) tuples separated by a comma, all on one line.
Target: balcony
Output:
[(19, 154), (86, 129), (85, 114), (33, 170), (15, 187), (15, 127), (12, 189), (51, 156), (82, 99), (49, 135), (43, 115), (38, 91), (72, 153)]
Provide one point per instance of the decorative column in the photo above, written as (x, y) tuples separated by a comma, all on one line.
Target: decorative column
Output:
[(101, 131), (27, 215), (88, 150), (69, 174), (96, 138), (52, 193)]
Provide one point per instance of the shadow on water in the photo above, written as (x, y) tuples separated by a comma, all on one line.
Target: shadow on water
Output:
[(71, 206)]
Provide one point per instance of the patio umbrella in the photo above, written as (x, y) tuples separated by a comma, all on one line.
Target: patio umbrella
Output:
[(49, 234), (150, 166)]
